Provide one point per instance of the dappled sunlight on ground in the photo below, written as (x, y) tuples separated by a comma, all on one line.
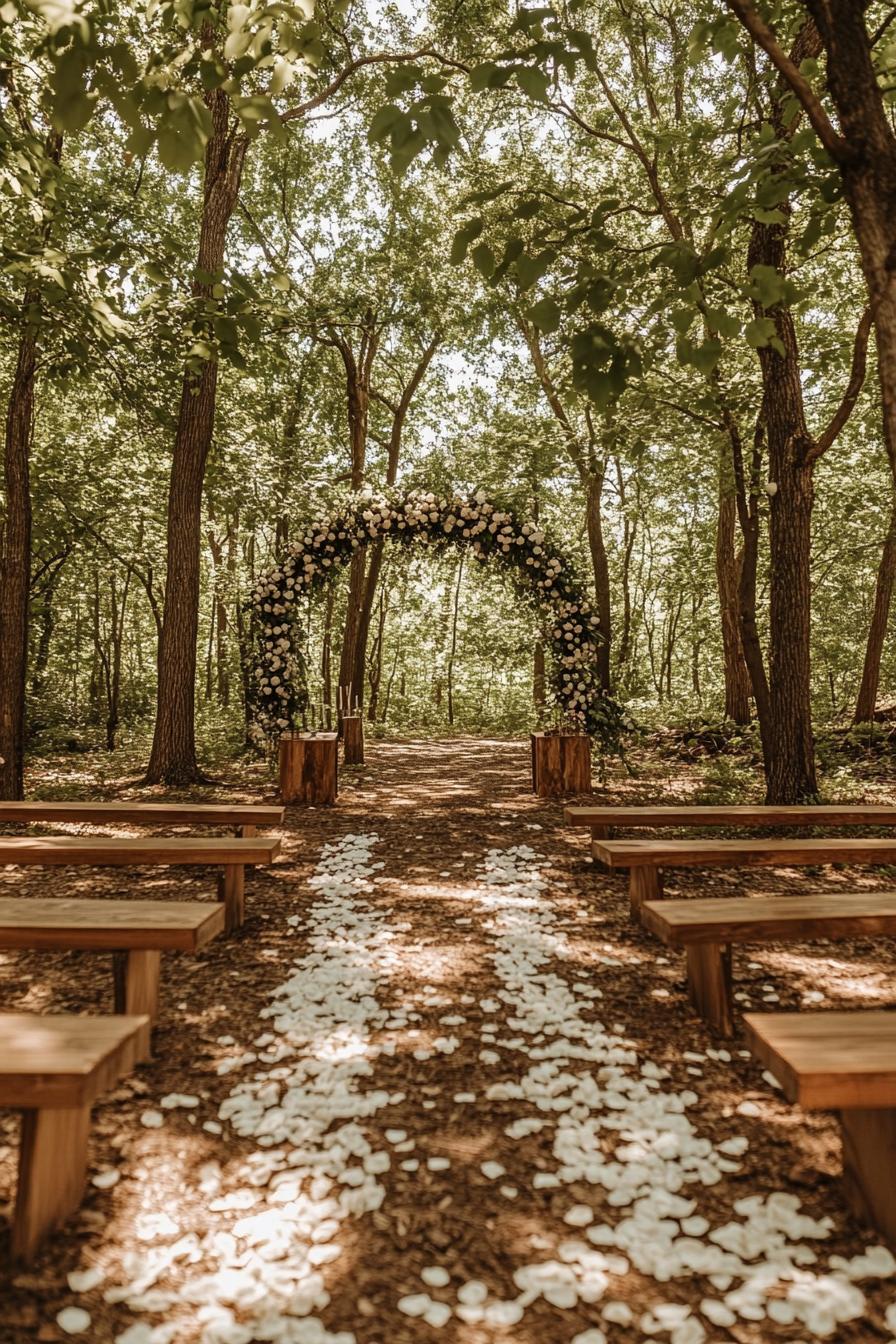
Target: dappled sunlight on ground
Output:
[(491, 1034)]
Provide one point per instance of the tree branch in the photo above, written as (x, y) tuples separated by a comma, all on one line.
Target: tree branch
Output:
[(763, 36), (359, 63), (851, 394)]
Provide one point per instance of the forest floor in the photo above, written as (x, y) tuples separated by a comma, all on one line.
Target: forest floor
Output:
[(482, 1109)]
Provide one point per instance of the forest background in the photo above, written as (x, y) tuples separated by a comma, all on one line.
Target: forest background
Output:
[(619, 265)]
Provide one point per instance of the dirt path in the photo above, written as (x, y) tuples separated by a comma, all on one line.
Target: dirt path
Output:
[(439, 1088)]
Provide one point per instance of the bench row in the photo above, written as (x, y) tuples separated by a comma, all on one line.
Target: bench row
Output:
[(841, 1061), (52, 1068)]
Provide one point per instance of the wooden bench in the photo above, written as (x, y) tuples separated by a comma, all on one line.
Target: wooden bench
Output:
[(645, 859), (707, 928), (136, 932), (230, 855), (245, 818), (601, 820), (844, 1062), (52, 1069)]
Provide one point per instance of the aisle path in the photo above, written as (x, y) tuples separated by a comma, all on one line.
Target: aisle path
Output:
[(440, 1089)]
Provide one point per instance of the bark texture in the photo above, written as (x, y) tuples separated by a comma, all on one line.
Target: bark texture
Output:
[(15, 560), (173, 757)]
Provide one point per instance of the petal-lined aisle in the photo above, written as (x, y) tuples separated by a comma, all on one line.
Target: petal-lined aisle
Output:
[(453, 1094)]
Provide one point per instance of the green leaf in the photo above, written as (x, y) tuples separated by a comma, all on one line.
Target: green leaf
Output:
[(463, 238), (533, 81), (529, 269), (281, 281), (484, 259), (724, 323), (481, 76), (184, 132), (385, 120), (767, 285), (760, 332), (703, 357), (446, 128), (545, 314)]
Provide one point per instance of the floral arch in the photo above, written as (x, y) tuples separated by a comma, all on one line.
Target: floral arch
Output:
[(540, 576)]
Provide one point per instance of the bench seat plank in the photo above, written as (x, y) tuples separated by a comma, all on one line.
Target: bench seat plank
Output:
[(65, 1060), (725, 919), (741, 853), (61, 924), (173, 814), (52, 1069), (844, 1062), (829, 1060), (104, 851), (735, 814)]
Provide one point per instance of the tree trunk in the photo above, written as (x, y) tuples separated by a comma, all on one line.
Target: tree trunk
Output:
[(866, 700), (600, 566), (539, 685), (173, 756), (789, 747), (867, 163), (452, 650), (15, 561), (15, 535), (349, 656), (119, 610), (728, 564), (375, 672), (47, 624)]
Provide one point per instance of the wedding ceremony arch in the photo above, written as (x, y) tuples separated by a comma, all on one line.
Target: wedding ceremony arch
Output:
[(520, 549)]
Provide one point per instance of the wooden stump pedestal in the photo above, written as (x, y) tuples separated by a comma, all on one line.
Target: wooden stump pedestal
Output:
[(308, 768), (561, 763), (353, 740)]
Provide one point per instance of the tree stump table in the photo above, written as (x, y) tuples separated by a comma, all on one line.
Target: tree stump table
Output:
[(561, 763), (308, 768), (353, 740)]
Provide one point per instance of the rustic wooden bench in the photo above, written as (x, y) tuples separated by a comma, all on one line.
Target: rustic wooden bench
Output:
[(844, 1062), (646, 859), (52, 1069), (135, 932), (707, 928), (230, 855), (601, 820), (244, 817)]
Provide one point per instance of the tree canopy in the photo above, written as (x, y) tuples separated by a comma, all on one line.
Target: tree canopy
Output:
[(619, 266)]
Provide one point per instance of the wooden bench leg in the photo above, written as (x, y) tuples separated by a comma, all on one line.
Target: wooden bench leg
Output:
[(601, 832), (869, 1160), (709, 985), (232, 891), (136, 975), (52, 1174), (247, 832), (645, 883)]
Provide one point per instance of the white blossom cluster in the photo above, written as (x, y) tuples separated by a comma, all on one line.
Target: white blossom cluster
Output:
[(538, 573)]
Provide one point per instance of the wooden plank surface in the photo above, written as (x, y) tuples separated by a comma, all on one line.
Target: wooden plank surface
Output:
[(726, 919), (741, 853), (148, 814), (70, 923), (104, 850), (829, 1061), (738, 814), (65, 1060)]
